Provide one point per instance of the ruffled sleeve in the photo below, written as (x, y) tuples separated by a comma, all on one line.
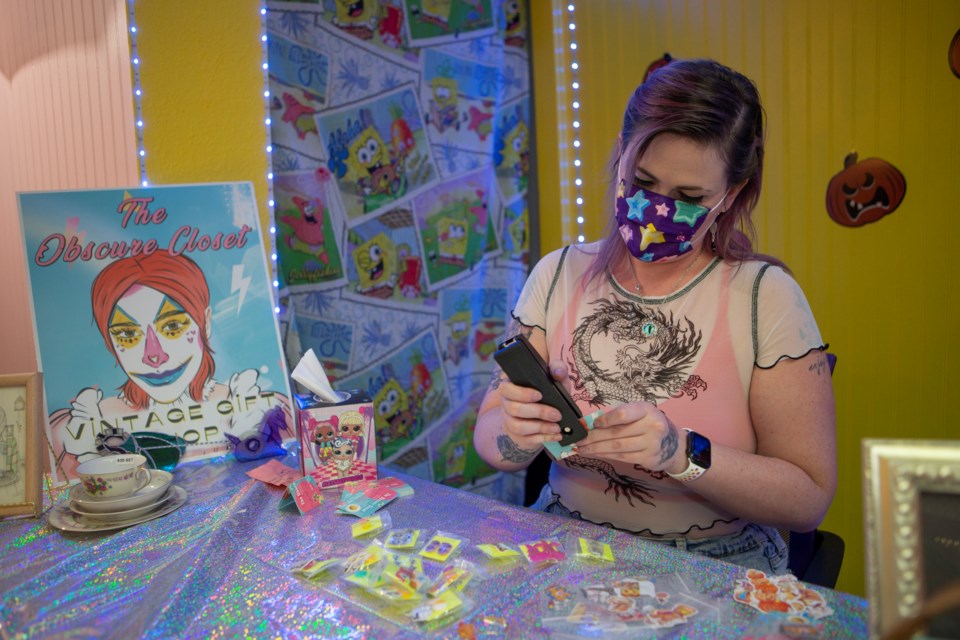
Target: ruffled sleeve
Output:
[(531, 308), (783, 326)]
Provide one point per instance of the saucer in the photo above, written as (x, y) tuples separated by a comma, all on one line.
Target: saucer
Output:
[(61, 517), (148, 494), (120, 516)]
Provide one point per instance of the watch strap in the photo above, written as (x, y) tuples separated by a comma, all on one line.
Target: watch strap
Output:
[(693, 470)]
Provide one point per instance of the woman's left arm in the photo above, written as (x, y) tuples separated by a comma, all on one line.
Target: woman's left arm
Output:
[(791, 479)]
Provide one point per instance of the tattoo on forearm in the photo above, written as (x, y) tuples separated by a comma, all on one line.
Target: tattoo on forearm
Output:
[(669, 444), (499, 377), (819, 366), (511, 452)]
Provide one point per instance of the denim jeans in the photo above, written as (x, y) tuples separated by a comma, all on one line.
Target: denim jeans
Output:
[(753, 547)]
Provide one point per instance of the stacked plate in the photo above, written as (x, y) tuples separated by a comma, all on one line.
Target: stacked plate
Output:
[(86, 513)]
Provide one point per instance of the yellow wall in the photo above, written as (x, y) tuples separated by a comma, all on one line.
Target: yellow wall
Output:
[(836, 76), (203, 104)]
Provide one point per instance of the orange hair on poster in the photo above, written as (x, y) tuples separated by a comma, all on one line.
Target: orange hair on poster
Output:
[(176, 276)]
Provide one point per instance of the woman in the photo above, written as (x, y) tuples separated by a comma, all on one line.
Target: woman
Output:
[(153, 312), (673, 323)]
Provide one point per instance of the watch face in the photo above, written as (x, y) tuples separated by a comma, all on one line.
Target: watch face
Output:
[(698, 449)]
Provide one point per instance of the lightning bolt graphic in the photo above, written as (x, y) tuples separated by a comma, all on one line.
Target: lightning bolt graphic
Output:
[(239, 283)]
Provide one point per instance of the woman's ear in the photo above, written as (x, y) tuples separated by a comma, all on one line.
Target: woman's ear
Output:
[(207, 315), (732, 195)]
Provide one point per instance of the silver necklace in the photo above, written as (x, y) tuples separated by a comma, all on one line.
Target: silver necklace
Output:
[(639, 287)]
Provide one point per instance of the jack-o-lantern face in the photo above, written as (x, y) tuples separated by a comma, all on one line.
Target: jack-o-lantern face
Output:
[(864, 191), (656, 64), (954, 54)]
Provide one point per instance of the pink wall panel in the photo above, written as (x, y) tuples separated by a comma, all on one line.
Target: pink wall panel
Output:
[(66, 122)]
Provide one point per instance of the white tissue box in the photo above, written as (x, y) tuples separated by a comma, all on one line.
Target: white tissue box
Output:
[(337, 439)]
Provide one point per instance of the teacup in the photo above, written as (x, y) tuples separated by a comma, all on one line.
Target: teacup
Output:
[(114, 476)]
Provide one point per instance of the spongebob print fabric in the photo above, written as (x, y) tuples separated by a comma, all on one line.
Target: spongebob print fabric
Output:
[(401, 135)]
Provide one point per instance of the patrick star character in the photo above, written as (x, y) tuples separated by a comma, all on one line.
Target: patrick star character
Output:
[(480, 122), (299, 115), (307, 228)]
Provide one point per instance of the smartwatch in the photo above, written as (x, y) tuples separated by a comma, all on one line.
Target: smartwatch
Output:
[(698, 457)]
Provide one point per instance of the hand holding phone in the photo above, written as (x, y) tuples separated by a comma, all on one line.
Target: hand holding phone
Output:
[(525, 368)]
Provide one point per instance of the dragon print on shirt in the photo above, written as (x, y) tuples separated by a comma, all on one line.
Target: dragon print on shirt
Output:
[(652, 359)]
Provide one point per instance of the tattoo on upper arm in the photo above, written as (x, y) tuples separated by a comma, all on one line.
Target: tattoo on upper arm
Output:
[(511, 452), (669, 444), (819, 365)]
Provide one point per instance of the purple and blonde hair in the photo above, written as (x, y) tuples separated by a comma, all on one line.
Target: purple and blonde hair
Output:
[(714, 106)]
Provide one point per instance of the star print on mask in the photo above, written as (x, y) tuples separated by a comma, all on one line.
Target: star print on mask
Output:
[(649, 235), (638, 204)]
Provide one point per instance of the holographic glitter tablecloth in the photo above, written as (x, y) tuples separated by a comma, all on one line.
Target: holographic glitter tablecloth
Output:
[(219, 568)]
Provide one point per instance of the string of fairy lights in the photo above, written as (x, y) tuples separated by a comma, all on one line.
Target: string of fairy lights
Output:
[(137, 94), (141, 147), (575, 105), (568, 97), (267, 121)]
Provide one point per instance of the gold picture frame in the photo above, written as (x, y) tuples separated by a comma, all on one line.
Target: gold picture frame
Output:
[(911, 492), (21, 464)]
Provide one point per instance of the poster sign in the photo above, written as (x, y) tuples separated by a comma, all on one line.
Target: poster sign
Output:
[(154, 321)]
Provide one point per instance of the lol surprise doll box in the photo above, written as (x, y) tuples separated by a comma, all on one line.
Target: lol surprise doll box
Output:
[(337, 439)]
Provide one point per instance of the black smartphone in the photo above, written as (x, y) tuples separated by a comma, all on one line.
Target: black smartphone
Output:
[(524, 366)]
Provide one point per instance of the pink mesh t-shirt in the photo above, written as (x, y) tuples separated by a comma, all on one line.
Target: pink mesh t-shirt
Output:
[(692, 353)]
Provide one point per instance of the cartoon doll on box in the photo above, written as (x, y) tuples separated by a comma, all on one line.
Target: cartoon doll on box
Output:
[(153, 312)]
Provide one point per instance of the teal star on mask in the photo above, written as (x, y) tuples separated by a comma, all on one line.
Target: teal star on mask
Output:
[(637, 205), (689, 213)]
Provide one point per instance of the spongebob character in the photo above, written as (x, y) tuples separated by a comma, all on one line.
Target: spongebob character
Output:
[(516, 154), (435, 12), (458, 346), (376, 264), (393, 409), (456, 462), (378, 175), (452, 240), (443, 112), (516, 24), (358, 17), (518, 236)]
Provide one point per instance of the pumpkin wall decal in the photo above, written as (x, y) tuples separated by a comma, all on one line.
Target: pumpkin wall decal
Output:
[(954, 54), (864, 191), (656, 64)]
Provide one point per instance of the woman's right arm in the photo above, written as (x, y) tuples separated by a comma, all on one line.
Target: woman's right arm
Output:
[(511, 424)]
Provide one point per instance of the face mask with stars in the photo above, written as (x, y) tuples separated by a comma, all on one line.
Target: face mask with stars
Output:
[(658, 228)]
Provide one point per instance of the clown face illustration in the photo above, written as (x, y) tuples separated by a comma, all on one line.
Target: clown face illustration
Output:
[(157, 343)]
